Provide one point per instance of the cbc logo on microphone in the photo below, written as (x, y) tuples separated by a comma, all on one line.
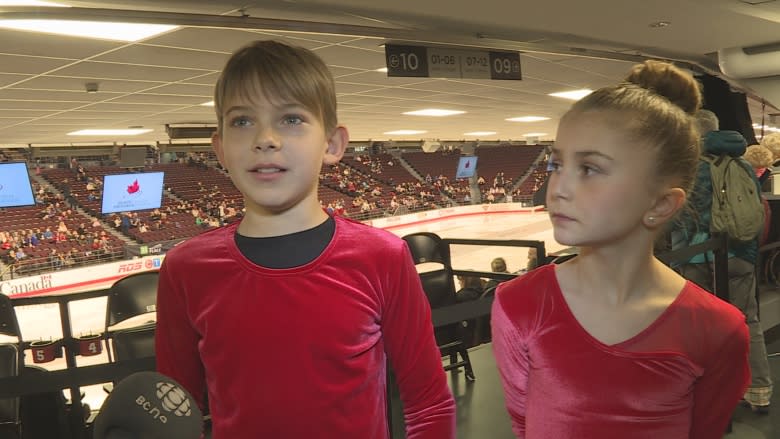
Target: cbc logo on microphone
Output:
[(172, 398)]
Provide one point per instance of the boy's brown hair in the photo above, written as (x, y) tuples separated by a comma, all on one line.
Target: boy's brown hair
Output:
[(280, 72)]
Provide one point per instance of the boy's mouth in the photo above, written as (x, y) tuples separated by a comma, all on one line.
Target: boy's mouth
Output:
[(267, 169)]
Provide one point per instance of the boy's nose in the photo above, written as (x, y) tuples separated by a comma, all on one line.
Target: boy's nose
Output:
[(267, 139)]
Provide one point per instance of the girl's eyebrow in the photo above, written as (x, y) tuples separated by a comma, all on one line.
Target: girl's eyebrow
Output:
[(584, 154)]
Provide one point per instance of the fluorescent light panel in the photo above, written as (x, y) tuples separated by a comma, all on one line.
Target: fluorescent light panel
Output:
[(534, 134), (208, 104), (98, 132), (89, 29), (31, 3), (480, 133), (574, 95), (381, 70), (528, 119), (434, 112), (404, 132), (766, 128)]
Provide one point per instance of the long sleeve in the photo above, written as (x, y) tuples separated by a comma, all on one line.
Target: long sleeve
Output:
[(513, 364), (429, 409), (176, 341), (717, 392)]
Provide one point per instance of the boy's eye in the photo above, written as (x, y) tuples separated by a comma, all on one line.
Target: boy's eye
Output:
[(292, 119), (240, 121)]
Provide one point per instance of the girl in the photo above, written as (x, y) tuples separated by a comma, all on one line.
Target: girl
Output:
[(613, 343)]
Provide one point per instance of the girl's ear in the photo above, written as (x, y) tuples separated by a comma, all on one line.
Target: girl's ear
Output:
[(666, 206), (337, 145)]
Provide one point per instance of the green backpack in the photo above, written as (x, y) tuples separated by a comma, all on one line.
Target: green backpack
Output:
[(736, 203)]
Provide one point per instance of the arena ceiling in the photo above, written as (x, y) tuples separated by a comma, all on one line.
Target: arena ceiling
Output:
[(165, 79)]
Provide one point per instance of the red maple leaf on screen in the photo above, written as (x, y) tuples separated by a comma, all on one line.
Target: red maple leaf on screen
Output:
[(133, 188)]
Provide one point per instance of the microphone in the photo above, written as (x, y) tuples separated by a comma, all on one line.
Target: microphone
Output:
[(148, 405)]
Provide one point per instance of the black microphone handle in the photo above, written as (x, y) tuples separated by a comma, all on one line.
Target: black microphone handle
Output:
[(118, 433)]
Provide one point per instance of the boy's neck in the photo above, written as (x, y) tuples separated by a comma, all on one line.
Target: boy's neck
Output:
[(263, 224)]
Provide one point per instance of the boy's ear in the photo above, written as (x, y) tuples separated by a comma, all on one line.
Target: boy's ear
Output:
[(216, 143), (668, 203), (337, 145)]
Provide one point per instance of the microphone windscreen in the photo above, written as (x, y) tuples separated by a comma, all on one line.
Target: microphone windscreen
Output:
[(148, 405)]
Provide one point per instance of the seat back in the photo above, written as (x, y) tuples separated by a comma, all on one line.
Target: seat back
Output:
[(9, 407), (8, 323), (128, 297), (428, 247), (132, 295), (137, 342), (43, 415), (439, 287)]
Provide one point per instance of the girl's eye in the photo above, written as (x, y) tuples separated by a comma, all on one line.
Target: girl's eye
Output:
[(240, 121), (590, 170), (553, 165)]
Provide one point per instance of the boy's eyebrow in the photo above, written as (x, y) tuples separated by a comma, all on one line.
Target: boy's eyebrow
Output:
[(583, 154), (283, 107), (238, 108)]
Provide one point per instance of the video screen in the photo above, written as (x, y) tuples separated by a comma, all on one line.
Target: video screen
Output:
[(15, 187), (128, 192), (467, 167)]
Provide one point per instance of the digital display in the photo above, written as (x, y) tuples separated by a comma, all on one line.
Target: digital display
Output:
[(467, 167), (15, 187), (128, 192)]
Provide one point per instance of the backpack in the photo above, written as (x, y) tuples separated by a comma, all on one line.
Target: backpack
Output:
[(736, 204)]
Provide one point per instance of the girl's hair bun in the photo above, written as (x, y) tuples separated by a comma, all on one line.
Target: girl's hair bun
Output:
[(669, 81)]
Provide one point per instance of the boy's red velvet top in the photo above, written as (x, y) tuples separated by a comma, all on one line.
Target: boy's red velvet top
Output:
[(301, 352), (681, 377)]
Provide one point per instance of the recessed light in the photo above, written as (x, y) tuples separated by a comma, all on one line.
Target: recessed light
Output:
[(534, 134), (527, 119), (404, 132), (89, 29), (98, 132), (207, 104), (433, 112), (480, 133), (574, 95), (658, 24)]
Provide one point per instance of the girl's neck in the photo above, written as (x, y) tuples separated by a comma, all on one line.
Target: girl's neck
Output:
[(615, 276)]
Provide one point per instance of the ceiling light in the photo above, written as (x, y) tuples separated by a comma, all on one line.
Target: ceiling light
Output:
[(381, 70), (527, 119), (404, 132), (658, 24), (574, 95), (125, 132), (207, 104), (30, 3), (534, 134), (89, 29), (480, 133), (433, 112)]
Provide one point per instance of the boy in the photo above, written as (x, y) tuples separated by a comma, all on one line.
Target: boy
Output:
[(287, 318)]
